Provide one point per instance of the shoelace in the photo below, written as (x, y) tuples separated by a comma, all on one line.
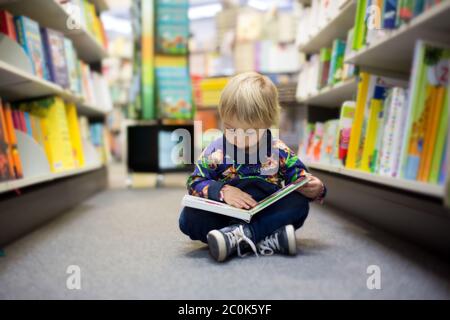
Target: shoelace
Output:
[(269, 245), (237, 236)]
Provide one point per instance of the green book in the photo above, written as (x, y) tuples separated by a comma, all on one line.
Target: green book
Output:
[(440, 143), (360, 25)]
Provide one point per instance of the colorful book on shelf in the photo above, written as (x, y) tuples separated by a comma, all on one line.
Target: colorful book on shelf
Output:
[(75, 135), (56, 57), (242, 214), (369, 154), (55, 130), (389, 14), (72, 67), (429, 87), (337, 62), (324, 66), (7, 26), (15, 162), (395, 111), (360, 25), (441, 141), (30, 39), (6, 168), (344, 130)]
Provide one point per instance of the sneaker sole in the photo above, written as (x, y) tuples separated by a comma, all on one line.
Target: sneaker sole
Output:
[(292, 244), (217, 245)]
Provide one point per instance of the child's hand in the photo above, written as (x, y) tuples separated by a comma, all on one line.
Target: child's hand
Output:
[(237, 198), (312, 189)]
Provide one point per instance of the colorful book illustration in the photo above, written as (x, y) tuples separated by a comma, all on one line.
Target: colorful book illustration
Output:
[(6, 168), (30, 39), (56, 57), (246, 215)]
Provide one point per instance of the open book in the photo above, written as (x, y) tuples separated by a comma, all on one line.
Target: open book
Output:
[(243, 214)]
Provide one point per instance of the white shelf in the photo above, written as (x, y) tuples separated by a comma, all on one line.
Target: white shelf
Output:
[(395, 50), (26, 182), (333, 96), (16, 84), (50, 14), (336, 28), (402, 184)]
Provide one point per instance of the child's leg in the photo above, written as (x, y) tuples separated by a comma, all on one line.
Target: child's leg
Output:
[(292, 209), (197, 223)]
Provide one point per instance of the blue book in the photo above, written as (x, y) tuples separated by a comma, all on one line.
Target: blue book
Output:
[(390, 14), (30, 39), (28, 123)]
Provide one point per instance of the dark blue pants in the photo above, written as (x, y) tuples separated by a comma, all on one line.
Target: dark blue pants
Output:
[(292, 209)]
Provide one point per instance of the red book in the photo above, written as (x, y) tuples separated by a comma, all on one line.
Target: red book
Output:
[(7, 24)]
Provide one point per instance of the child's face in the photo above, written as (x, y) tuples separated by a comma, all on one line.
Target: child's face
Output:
[(243, 135)]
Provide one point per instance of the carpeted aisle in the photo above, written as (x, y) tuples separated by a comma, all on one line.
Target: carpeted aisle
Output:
[(127, 244)]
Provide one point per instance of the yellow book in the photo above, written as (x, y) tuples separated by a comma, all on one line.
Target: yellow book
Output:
[(75, 135), (55, 131), (363, 86), (431, 132), (371, 134)]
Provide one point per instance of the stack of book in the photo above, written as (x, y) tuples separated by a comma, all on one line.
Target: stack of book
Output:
[(393, 14), (392, 129)]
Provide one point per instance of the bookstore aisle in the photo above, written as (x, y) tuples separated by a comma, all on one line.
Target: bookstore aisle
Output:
[(128, 247), (96, 97)]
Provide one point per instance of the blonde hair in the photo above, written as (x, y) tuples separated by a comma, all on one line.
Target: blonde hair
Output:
[(251, 98)]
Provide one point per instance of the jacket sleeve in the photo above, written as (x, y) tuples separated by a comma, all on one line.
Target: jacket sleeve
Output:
[(204, 181), (292, 168)]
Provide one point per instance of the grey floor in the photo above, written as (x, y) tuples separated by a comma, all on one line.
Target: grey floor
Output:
[(127, 245)]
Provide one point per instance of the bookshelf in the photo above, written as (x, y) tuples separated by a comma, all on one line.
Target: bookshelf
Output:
[(51, 14), (336, 27), (333, 96), (436, 191), (27, 202), (395, 50)]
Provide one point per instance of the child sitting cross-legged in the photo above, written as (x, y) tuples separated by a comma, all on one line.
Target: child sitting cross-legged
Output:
[(244, 166)]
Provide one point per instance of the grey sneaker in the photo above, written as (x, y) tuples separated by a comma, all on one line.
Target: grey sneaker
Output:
[(227, 241), (281, 241)]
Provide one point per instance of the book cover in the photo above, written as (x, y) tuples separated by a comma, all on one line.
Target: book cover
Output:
[(72, 68), (435, 113), (56, 57), (344, 129), (324, 67), (30, 39), (7, 24), (441, 140), (363, 87), (11, 134), (56, 132), (337, 62), (360, 25), (369, 155), (75, 135), (242, 214), (6, 162), (390, 14)]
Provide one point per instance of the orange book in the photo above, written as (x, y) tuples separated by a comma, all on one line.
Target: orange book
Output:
[(430, 138), (6, 162), (13, 142)]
